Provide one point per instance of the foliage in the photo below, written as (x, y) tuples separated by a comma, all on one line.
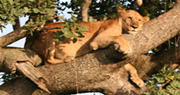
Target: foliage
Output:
[(97, 8), (151, 8), (166, 82), (38, 10), (71, 29)]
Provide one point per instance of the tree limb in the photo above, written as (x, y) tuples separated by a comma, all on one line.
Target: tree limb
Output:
[(13, 36), (84, 10), (17, 25)]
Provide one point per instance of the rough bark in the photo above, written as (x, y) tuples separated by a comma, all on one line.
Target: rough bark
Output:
[(103, 70), (10, 56)]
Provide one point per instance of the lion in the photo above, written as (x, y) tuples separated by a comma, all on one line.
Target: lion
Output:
[(101, 35)]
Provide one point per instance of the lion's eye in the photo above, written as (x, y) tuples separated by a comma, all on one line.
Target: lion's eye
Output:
[(130, 18)]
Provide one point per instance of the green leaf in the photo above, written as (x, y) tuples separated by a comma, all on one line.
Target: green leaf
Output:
[(68, 34), (169, 78), (91, 19), (74, 40), (11, 2), (35, 10), (82, 28), (50, 11), (162, 92), (58, 34), (70, 12), (60, 39), (26, 9), (13, 11), (74, 18)]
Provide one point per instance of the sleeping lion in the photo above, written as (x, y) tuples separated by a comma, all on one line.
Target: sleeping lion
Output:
[(101, 35)]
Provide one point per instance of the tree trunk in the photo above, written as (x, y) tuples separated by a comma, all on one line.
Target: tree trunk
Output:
[(103, 70), (84, 10)]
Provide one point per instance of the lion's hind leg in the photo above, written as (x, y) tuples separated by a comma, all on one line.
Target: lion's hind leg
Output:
[(134, 76), (50, 53), (68, 59), (50, 58)]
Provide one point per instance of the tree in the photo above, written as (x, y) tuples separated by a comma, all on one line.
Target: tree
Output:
[(101, 70)]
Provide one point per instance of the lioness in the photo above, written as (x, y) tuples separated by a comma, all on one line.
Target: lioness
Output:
[(101, 35)]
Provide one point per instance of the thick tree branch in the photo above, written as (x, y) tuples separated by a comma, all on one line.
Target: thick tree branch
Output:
[(12, 37), (95, 72)]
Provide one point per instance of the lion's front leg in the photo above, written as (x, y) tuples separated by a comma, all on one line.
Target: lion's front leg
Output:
[(134, 76), (104, 41)]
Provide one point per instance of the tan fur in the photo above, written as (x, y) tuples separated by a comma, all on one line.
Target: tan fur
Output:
[(101, 35)]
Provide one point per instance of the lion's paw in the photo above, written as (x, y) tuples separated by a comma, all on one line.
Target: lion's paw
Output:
[(140, 83), (94, 45), (126, 48), (54, 61), (68, 59)]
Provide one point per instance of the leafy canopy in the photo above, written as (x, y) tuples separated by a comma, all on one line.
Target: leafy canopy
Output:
[(166, 82), (41, 10), (71, 29)]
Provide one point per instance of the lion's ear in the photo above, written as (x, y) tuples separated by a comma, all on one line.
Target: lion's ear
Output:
[(146, 19), (121, 11)]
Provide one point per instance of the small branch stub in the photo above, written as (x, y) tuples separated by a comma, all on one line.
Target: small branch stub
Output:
[(32, 73)]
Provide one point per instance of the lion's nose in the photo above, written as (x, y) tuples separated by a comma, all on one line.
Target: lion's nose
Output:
[(134, 26)]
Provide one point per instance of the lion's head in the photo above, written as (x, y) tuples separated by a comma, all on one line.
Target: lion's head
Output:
[(132, 21)]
